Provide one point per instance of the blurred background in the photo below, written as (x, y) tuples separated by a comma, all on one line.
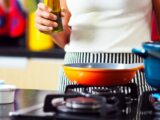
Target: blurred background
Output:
[(17, 26), (28, 59)]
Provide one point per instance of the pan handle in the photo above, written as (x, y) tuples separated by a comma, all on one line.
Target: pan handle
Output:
[(140, 52)]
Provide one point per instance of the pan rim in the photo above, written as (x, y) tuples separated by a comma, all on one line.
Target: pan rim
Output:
[(137, 66)]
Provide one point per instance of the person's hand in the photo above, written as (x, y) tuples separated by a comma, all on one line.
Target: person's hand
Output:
[(45, 19)]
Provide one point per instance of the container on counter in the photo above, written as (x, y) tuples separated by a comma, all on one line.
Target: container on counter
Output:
[(7, 93), (1, 82)]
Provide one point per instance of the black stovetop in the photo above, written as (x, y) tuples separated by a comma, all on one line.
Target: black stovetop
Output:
[(130, 106), (116, 102)]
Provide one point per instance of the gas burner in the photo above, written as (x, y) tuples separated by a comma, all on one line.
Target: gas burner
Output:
[(124, 93), (94, 101), (101, 91), (130, 90), (83, 103)]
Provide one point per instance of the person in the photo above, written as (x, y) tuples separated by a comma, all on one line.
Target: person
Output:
[(101, 31)]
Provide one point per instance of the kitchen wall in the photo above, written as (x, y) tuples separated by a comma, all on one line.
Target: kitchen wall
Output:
[(17, 26), (30, 73)]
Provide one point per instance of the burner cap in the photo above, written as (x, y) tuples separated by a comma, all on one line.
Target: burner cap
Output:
[(101, 91), (83, 103)]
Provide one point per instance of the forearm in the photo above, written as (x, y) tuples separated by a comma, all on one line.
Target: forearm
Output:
[(62, 38)]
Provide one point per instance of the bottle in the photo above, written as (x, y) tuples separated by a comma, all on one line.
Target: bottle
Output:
[(36, 40), (56, 9)]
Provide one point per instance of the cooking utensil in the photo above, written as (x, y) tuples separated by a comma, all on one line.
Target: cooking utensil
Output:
[(101, 74), (151, 54)]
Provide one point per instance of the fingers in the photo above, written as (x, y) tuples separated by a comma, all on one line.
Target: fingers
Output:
[(45, 24), (43, 7), (45, 20), (45, 12), (44, 28), (63, 12)]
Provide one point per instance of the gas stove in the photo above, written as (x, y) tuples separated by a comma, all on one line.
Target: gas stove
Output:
[(85, 103)]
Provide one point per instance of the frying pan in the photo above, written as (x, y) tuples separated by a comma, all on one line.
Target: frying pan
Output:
[(101, 74)]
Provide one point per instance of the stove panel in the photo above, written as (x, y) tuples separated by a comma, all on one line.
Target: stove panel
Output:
[(150, 105), (86, 103)]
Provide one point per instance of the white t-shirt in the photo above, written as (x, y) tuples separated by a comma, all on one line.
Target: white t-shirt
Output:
[(108, 25)]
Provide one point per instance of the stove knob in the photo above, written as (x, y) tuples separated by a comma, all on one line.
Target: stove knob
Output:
[(155, 100), (156, 106)]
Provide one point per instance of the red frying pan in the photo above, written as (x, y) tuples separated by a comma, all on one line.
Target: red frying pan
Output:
[(101, 74)]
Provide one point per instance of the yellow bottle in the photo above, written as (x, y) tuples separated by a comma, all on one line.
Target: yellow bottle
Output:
[(36, 40)]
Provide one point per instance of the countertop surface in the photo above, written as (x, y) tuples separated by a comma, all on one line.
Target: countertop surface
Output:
[(23, 98), (35, 98), (31, 99)]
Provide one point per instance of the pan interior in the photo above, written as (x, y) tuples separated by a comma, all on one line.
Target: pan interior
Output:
[(104, 65)]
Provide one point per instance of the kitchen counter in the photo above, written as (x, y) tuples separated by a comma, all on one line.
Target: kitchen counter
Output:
[(28, 100), (23, 98), (31, 101)]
